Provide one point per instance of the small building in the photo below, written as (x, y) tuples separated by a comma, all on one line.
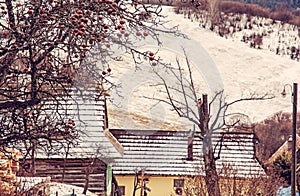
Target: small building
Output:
[(166, 158), (286, 147), (88, 163)]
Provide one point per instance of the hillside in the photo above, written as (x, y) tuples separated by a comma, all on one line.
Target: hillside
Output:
[(244, 70), (257, 32)]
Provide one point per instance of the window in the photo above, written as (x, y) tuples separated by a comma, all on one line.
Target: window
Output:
[(178, 183), (122, 190), (178, 186)]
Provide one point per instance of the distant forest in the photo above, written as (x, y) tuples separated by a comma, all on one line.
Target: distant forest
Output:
[(286, 11), (280, 10), (273, 4)]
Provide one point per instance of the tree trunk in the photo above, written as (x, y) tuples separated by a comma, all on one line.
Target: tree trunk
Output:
[(135, 184), (211, 174), (33, 169), (86, 183)]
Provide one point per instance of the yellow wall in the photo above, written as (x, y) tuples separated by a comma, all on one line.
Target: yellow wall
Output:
[(163, 185), (160, 186)]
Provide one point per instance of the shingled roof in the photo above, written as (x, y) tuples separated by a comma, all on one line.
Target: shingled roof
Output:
[(87, 109), (161, 152)]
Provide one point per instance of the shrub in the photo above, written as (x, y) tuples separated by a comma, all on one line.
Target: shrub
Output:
[(241, 8), (282, 166), (231, 7), (233, 185), (296, 12), (256, 10), (281, 12), (283, 16), (295, 21)]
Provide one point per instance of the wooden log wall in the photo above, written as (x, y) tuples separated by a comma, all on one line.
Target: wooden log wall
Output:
[(73, 171)]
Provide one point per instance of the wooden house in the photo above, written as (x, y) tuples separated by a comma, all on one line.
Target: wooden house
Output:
[(88, 163), (166, 158)]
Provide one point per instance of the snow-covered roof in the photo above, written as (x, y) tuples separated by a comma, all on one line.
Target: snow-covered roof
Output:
[(87, 110), (161, 152), (90, 120)]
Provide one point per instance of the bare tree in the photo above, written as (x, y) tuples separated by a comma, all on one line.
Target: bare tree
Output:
[(140, 182), (182, 95), (231, 184), (50, 51)]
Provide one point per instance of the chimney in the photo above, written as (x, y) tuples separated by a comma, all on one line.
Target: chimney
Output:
[(190, 148), (290, 144)]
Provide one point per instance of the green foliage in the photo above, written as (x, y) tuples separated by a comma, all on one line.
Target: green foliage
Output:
[(282, 166)]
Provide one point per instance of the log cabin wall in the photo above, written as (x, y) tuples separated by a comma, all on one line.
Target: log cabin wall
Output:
[(72, 171), (89, 115)]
